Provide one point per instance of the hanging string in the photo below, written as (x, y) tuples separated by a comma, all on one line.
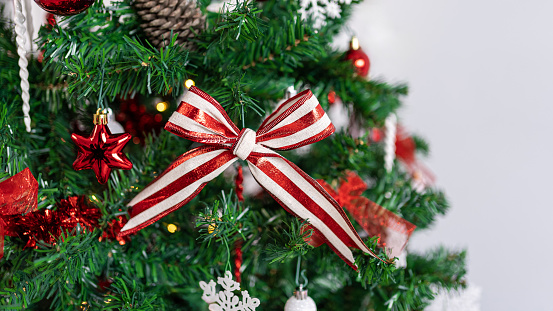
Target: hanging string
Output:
[(20, 30), (390, 142), (100, 94), (302, 273), (227, 265)]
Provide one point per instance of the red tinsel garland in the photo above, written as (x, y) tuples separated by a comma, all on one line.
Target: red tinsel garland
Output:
[(47, 225)]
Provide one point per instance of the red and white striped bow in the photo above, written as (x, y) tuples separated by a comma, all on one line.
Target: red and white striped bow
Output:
[(297, 122)]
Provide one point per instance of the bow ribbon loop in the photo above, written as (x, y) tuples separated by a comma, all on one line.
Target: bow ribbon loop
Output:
[(201, 119), (297, 122)]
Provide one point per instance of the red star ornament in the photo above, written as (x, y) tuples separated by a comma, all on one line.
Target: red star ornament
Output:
[(101, 151)]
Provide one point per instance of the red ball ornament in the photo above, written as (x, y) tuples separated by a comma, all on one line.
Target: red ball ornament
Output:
[(331, 98), (64, 7), (101, 151), (375, 135), (358, 58)]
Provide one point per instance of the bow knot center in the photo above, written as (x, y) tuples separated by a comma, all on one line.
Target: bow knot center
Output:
[(245, 143)]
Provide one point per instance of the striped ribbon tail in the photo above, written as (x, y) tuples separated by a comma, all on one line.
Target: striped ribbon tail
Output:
[(303, 197), (178, 184)]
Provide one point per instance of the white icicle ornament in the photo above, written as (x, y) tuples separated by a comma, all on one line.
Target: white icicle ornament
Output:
[(300, 302)]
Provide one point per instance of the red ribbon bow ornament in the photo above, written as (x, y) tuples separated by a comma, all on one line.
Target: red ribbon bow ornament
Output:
[(393, 231), (298, 121), (18, 195)]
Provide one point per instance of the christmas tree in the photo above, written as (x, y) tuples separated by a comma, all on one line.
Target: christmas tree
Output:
[(194, 159)]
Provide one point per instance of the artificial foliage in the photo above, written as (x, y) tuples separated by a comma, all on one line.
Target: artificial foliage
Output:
[(246, 57)]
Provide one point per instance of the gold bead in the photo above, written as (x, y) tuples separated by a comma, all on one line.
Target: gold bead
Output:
[(211, 228)]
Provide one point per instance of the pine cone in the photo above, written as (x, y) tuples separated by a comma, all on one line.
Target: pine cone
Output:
[(159, 17)]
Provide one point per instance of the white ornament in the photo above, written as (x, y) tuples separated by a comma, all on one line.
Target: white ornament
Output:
[(20, 32), (291, 92), (114, 126), (390, 142), (300, 302), (319, 10), (226, 300), (294, 304), (29, 20)]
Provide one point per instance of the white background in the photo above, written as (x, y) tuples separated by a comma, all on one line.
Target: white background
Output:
[(480, 76)]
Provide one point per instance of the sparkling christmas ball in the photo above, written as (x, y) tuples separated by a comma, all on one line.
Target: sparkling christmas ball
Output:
[(294, 304), (300, 301), (64, 7)]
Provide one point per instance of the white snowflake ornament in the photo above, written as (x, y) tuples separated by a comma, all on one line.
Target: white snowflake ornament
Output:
[(320, 10), (226, 300)]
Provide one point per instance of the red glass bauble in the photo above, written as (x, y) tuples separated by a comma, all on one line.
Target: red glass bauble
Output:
[(331, 98), (358, 58), (360, 61), (64, 7)]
